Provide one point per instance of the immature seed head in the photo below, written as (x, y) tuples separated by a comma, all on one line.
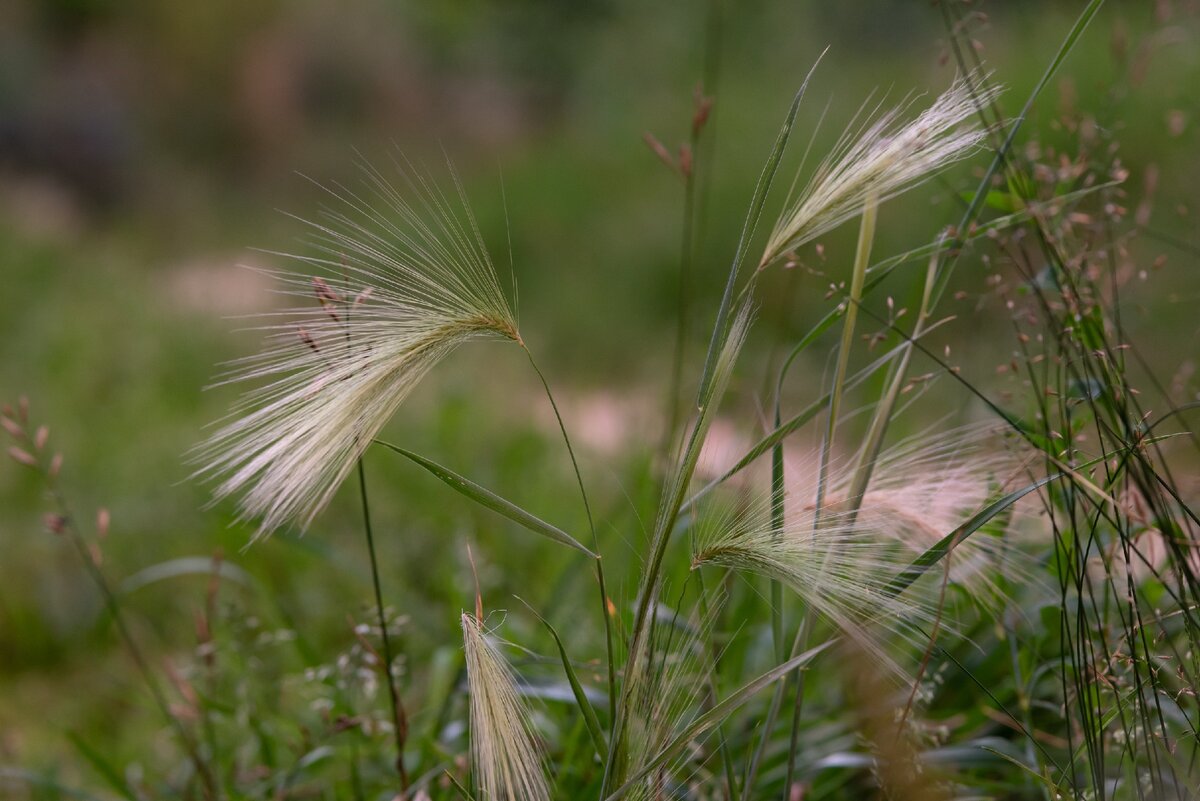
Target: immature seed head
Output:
[(507, 761), (886, 159), (404, 279), (843, 561)]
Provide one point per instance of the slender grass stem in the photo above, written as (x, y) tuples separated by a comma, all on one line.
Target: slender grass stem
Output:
[(755, 762), (777, 521), (683, 300), (883, 413), (797, 714), (587, 508), (393, 695), (714, 696), (207, 779), (677, 485), (777, 518), (694, 197), (862, 257)]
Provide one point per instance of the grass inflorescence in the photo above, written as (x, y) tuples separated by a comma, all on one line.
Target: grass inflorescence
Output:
[(1001, 606)]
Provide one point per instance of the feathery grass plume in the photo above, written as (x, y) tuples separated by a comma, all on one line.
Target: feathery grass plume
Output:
[(666, 685), (886, 159), (404, 278), (842, 562), (507, 762)]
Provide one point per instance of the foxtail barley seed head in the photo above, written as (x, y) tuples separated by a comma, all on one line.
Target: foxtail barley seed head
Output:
[(885, 160), (842, 563), (404, 279), (507, 762)]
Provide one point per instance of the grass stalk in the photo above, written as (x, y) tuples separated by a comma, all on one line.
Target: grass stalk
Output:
[(677, 484), (714, 696), (207, 778), (797, 714), (398, 725), (694, 196), (587, 508), (683, 299), (887, 404), (862, 257)]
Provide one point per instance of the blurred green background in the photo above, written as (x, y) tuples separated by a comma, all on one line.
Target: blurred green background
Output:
[(148, 148)]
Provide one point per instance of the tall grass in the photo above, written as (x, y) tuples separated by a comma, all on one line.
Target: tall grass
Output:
[(1005, 607)]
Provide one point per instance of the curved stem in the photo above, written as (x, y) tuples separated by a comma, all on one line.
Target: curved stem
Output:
[(604, 601)]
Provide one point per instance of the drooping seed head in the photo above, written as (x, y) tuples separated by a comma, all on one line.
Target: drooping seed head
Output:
[(842, 561), (335, 370)]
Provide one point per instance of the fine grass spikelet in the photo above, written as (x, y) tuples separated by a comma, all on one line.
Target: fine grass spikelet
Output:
[(401, 279), (668, 682), (842, 561), (507, 761), (884, 160)]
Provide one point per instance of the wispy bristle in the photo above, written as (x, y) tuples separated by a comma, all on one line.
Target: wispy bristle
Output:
[(667, 683), (885, 160), (405, 280), (843, 563), (507, 761)]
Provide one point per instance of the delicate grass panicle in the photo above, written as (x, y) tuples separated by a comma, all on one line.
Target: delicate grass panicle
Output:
[(666, 687), (886, 159), (404, 283), (842, 561), (508, 763)]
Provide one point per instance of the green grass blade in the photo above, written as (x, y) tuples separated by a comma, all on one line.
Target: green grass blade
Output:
[(201, 566), (489, 499), (463, 792), (112, 777), (793, 423), (759, 199), (715, 716), (1053, 788), (935, 553), (585, 706)]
